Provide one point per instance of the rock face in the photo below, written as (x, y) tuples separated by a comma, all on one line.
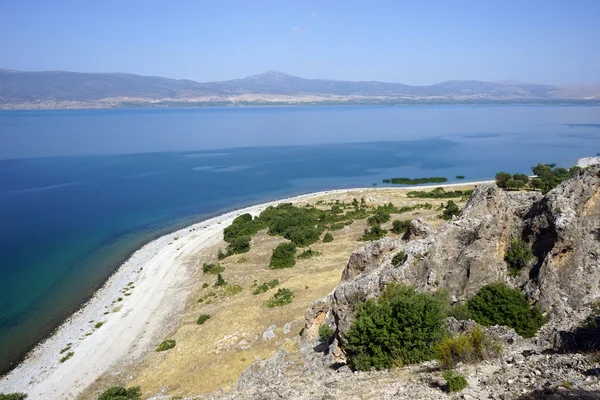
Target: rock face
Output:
[(563, 229)]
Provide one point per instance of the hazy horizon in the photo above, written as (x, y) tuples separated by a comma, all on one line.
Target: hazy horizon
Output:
[(402, 42)]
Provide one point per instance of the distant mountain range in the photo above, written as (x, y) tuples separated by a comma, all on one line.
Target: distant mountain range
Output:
[(59, 89)]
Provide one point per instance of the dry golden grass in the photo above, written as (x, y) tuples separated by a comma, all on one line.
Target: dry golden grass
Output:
[(211, 356)]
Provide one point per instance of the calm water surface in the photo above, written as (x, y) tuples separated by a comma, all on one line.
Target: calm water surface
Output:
[(80, 190)]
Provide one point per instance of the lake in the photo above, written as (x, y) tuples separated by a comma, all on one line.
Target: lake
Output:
[(80, 190)]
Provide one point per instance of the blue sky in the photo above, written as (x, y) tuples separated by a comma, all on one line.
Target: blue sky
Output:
[(413, 42)]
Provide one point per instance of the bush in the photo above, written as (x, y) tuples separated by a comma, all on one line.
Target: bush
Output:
[(460, 312), (120, 393), (327, 238), (66, 357), (239, 245), (281, 298), (592, 321), (220, 281), (13, 396), (399, 259), (325, 333), (518, 256), (471, 347), (202, 319), (497, 304), (221, 255), (454, 382), (378, 218), (284, 256), (376, 232), (166, 345), (266, 286), (212, 268), (401, 327), (399, 227), (502, 179), (308, 254), (450, 210)]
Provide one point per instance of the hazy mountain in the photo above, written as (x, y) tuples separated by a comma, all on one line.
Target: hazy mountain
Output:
[(51, 89)]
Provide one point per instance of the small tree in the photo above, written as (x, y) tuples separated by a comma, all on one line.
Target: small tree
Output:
[(325, 333), (220, 281), (502, 178), (399, 227), (284, 256), (518, 255), (327, 238), (450, 210)]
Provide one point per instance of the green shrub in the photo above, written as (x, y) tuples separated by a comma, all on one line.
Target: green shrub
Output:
[(66, 357), (460, 312), (308, 254), (471, 347), (401, 327), (325, 333), (281, 298), (497, 304), (212, 268), (327, 238), (376, 232), (120, 393), (284, 256), (439, 193), (399, 259), (518, 256), (379, 217), (166, 345), (205, 285), (399, 227), (220, 281), (450, 210), (263, 288), (202, 319), (592, 321), (454, 382), (13, 396), (221, 255), (337, 226), (238, 245), (98, 325)]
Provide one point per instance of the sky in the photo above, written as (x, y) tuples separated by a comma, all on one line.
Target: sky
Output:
[(413, 42)]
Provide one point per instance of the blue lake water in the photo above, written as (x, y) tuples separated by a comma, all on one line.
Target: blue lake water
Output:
[(80, 190)]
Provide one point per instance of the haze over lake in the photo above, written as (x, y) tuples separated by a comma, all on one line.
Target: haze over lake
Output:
[(80, 190)]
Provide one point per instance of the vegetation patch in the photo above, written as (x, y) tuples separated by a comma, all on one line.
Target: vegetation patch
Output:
[(460, 177), (373, 233), (281, 298), (98, 325), (264, 287), (220, 281), (66, 357), (454, 382), (212, 268), (202, 319), (306, 254), (13, 396), (400, 327), (399, 259), (120, 393), (450, 210), (471, 347), (166, 345), (325, 333), (518, 256), (231, 290), (284, 256), (399, 227), (416, 181), (439, 193), (498, 304), (379, 217), (328, 238)]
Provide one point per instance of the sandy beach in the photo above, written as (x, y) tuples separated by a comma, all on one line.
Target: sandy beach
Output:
[(124, 324)]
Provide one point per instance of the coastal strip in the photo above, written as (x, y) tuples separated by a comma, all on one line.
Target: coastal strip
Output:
[(125, 318)]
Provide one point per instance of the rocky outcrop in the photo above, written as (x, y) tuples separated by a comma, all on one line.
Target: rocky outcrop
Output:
[(563, 229)]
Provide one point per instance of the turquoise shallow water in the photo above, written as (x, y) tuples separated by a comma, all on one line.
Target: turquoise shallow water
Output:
[(80, 190)]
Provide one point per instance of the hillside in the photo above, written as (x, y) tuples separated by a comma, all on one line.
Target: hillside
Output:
[(59, 89)]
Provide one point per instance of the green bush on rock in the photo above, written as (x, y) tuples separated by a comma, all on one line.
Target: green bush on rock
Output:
[(518, 256), (471, 347), (400, 327), (498, 304), (454, 382)]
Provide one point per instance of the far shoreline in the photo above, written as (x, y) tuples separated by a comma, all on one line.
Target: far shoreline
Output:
[(48, 346)]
